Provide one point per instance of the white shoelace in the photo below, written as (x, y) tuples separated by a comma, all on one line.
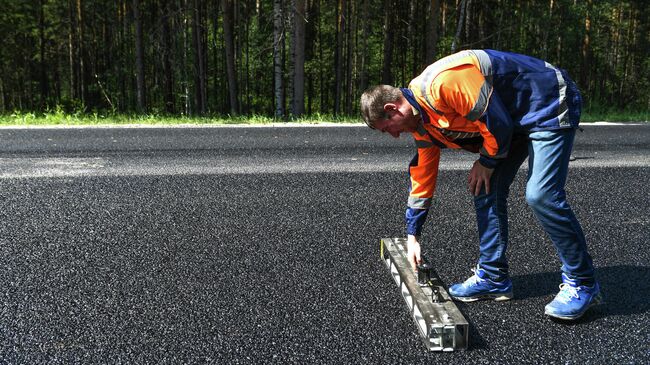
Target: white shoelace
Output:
[(473, 280), (567, 292)]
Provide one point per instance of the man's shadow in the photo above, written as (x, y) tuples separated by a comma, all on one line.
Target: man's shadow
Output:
[(625, 290)]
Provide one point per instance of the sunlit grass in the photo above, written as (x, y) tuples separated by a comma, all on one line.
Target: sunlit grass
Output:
[(615, 116), (97, 119), (59, 118)]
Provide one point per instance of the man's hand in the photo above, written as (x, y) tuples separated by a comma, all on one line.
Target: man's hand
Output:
[(478, 177), (413, 251)]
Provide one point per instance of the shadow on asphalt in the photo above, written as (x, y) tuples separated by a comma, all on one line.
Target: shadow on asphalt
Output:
[(625, 290)]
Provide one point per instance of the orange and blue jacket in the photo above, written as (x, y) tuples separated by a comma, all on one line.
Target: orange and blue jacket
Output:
[(477, 100)]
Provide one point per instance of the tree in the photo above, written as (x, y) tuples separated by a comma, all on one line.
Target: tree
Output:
[(278, 59), (43, 72), (167, 56), (228, 26), (338, 66), (389, 37), (433, 9), (298, 41), (586, 47), (200, 81), (363, 54), (142, 56), (459, 27), (139, 58)]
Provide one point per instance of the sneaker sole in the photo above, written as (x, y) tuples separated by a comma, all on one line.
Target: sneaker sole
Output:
[(595, 301), (496, 297)]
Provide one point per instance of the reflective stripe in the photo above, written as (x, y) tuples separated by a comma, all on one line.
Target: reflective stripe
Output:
[(419, 143), (485, 153), (433, 70), (419, 203), (481, 102), (421, 130), (484, 63), (563, 109), (426, 80), (424, 132), (455, 134)]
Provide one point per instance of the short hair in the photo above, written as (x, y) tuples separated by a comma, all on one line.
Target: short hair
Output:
[(373, 101)]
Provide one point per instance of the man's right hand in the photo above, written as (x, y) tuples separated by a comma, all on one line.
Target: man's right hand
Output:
[(413, 251)]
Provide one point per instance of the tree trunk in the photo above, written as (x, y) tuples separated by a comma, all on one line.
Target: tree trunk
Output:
[(289, 24), (139, 58), (386, 74), (278, 61), (2, 95), (586, 50), (227, 8), (338, 54), (184, 59), (71, 51), (432, 31), (299, 20), (80, 47), (547, 30), (468, 22), (122, 66), (199, 59), (168, 70), (411, 48), (43, 72), (630, 42), (363, 67), (215, 56), (459, 27), (247, 75), (350, 62), (321, 68)]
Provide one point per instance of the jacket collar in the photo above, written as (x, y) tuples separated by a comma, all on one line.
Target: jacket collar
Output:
[(408, 95)]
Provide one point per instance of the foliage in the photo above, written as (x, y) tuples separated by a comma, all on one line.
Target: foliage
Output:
[(78, 56)]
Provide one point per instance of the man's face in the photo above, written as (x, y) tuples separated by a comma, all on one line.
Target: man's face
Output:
[(399, 119)]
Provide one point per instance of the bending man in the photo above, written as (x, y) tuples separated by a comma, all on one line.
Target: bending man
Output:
[(506, 107)]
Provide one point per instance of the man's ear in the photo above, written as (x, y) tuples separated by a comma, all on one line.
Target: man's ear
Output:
[(389, 107)]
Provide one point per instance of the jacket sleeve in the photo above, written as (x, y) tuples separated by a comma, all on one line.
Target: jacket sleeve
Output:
[(495, 122), (465, 94), (423, 172)]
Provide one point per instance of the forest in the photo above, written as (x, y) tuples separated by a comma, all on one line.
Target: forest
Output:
[(292, 58)]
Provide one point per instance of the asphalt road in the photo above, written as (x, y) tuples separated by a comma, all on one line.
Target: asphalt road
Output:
[(261, 245)]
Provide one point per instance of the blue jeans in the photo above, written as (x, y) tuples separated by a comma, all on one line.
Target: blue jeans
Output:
[(548, 166)]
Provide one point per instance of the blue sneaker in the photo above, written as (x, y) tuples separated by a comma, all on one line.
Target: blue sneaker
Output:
[(479, 286), (573, 300)]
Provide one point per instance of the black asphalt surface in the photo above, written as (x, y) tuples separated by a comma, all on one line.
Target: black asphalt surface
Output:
[(255, 245)]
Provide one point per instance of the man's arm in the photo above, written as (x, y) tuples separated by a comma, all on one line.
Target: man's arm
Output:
[(497, 125), (423, 171)]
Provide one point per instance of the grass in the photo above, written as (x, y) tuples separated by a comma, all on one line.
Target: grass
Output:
[(615, 116), (78, 119)]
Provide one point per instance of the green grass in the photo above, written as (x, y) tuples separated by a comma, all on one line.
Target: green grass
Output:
[(615, 116), (78, 119)]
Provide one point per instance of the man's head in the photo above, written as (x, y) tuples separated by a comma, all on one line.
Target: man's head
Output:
[(383, 107)]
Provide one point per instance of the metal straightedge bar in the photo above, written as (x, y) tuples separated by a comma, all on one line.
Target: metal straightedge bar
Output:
[(440, 324)]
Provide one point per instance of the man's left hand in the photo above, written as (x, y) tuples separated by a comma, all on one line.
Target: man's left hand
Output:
[(478, 177)]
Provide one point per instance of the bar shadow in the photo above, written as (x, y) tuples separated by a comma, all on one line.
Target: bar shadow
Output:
[(476, 341), (625, 290)]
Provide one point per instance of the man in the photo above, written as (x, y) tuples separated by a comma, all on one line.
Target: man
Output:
[(506, 107)]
